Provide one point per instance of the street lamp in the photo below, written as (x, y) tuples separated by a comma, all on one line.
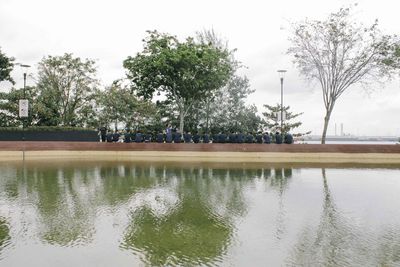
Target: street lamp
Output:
[(281, 76), (25, 67)]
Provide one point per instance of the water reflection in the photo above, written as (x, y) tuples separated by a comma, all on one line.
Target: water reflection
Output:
[(198, 226), (338, 241), (4, 234), (160, 214)]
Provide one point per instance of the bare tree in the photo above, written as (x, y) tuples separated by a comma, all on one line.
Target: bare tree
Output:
[(338, 52)]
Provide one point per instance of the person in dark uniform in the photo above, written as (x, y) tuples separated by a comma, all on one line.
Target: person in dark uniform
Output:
[(109, 137), (127, 137), (259, 138), (267, 138), (168, 137), (177, 137), (138, 137), (103, 133), (222, 138), (160, 138), (196, 138), (288, 138), (278, 138), (249, 138), (215, 138), (187, 137), (116, 136), (206, 138), (147, 138), (232, 138), (240, 138)]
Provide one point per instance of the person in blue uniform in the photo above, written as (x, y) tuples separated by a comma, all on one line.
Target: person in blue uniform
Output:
[(178, 137), (278, 138), (249, 138), (288, 138), (266, 138), (138, 137), (240, 138), (116, 136), (222, 138), (127, 137), (109, 137), (160, 138), (232, 138), (147, 138), (259, 138), (187, 137), (206, 138), (103, 133), (215, 138), (196, 138)]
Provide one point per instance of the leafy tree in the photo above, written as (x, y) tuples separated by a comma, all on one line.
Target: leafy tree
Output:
[(66, 87), (6, 66), (118, 104), (9, 107), (224, 109), (184, 71), (228, 109), (272, 123), (337, 52)]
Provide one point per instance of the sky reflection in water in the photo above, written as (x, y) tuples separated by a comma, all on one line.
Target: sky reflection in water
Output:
[(157, 214)]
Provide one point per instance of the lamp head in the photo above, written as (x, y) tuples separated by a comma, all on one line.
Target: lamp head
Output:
[(282, 73)]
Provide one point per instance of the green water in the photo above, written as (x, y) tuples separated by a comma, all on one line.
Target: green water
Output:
[(157, 214)]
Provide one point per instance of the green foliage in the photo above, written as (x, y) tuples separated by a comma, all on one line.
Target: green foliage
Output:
[(392, 55), (6, 66), (9, 106), (184, 71), (45, 129), (273, 125), (119, 104), (227, 111), (66, 88)]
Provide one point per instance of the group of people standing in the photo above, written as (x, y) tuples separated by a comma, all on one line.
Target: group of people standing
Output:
[(174, 136)]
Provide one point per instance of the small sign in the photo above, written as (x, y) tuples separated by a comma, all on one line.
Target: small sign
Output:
[(278, 115), (23, 108)]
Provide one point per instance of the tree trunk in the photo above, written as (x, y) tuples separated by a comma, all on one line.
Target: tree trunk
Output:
[(181, 120), (326, 123), (207, 115)]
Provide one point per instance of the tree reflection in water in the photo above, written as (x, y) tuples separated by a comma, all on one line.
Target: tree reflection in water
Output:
[(280, 182), (4, 234), (174, 214), (198, 228), (61, 197), (337, 241), (178, 214)]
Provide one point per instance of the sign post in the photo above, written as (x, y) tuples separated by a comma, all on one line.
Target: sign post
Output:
[(23, 108), (23, 113)]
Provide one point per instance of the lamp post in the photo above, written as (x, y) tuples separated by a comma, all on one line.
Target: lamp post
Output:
[(25, 66), (281, 76)]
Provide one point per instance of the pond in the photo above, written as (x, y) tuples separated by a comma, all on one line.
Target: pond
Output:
[(167, 214)]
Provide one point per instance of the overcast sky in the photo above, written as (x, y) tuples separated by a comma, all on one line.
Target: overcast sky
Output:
[(109, 31)]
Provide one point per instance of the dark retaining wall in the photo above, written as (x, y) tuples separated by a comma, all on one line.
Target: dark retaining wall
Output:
[(77, 136), (295, 148)]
